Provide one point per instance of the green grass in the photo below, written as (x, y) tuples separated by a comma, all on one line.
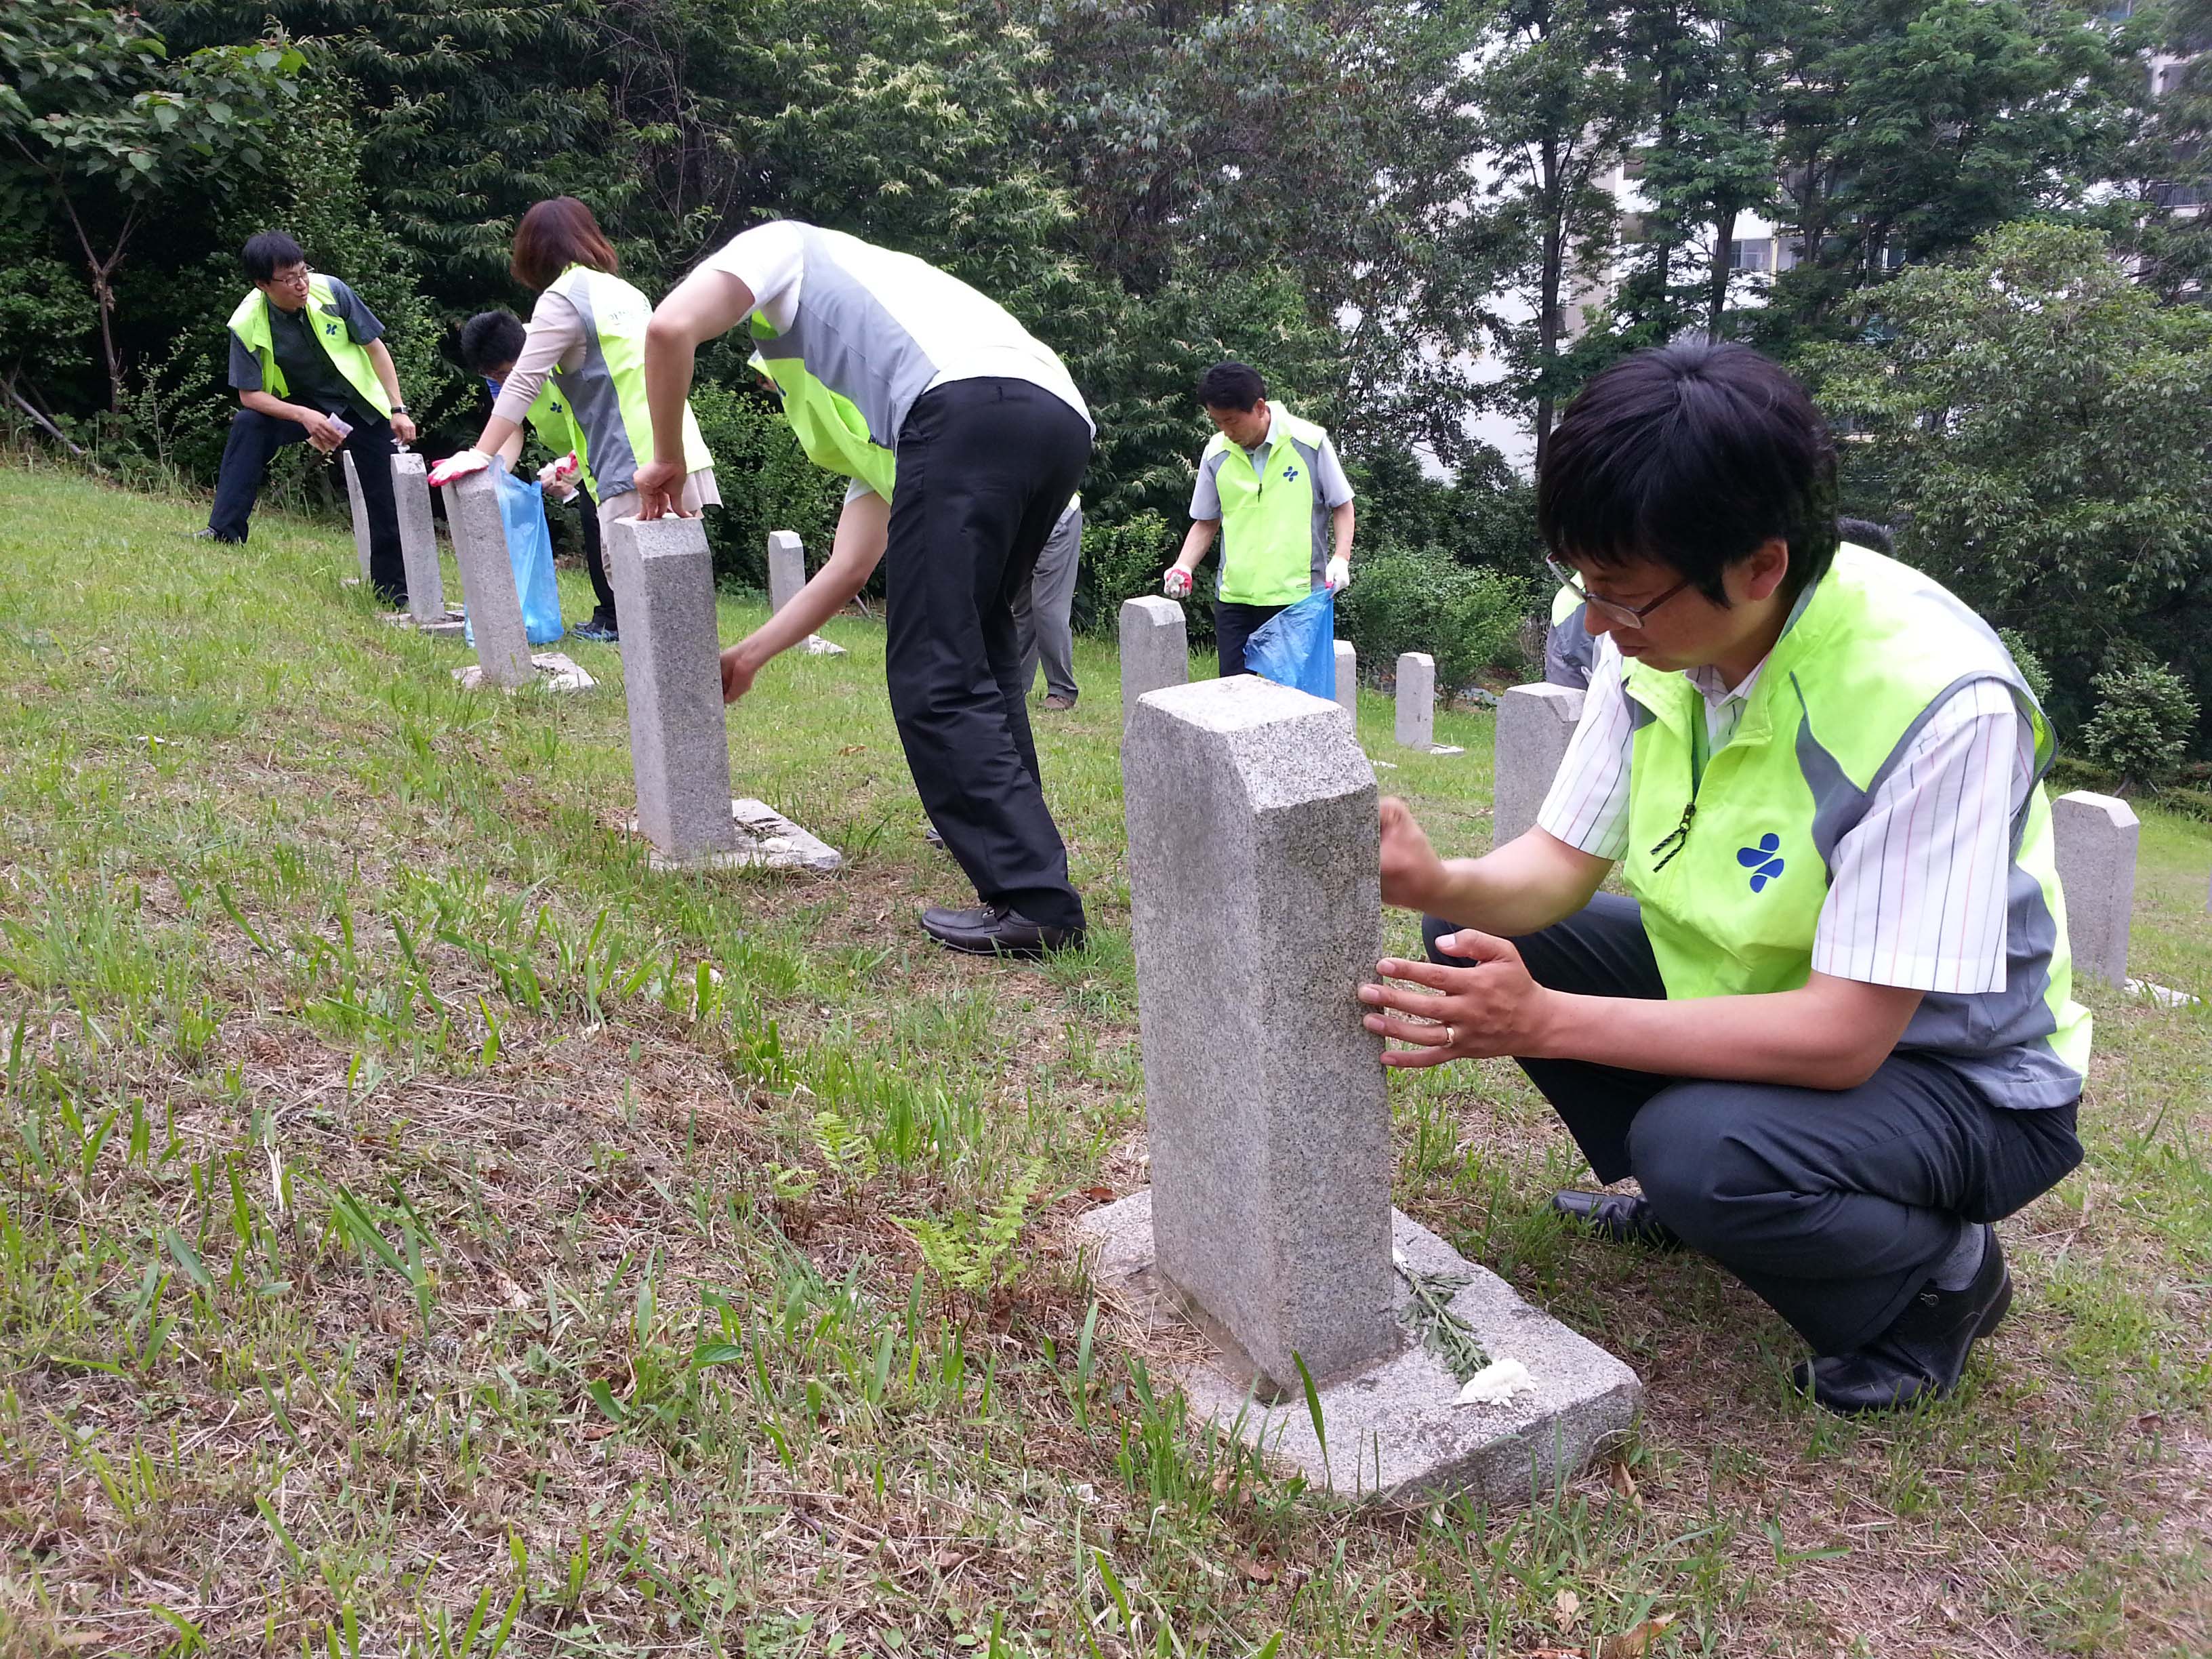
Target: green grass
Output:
[(425, 1231)]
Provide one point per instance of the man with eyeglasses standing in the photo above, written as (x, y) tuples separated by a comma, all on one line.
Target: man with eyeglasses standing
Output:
[(1830, 1029), (309, 365)]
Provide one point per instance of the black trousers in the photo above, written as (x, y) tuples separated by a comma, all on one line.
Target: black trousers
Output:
[(602, 593), (1233, 626), (985, 470), (254, 440), (1832, 1205)]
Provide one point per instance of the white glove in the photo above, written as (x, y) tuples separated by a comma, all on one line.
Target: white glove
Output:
[(558, 476), (1339, 574), (459, 466), (1177, 583)]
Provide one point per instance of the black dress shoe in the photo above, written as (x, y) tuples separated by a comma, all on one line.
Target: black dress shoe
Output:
[(1623, 1217), (997, 930), (1922, 1355)]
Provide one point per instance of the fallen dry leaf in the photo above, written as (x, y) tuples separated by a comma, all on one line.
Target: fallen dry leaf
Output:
[(1624, 1482), (1099, 1195), (1569, 1607), (1635, 1643), (1259, 1572)]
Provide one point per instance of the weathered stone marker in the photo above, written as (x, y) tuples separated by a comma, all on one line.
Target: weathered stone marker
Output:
[(1254, 853), (1347, 679), (664, 580), (2093, 843), (418, 546), (787, 574), (1416, 704), (495, 606), (1535, 725), (359, 511), (1155, 650)]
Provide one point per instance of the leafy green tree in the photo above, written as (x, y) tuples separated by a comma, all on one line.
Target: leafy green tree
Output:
[(94, 107), (2044, 428)]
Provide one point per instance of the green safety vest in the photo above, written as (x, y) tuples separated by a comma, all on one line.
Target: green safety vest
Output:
[(555, 423), (1273, 543), (1730, 854), (829, 425), (250, 322), (1566, 603), (606, 391)]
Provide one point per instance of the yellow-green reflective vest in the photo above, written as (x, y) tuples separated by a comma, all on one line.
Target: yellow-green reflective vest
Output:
[(555, 423), (1731, 854), (829, 425), (250, 322), (606, 390), (1274, 529)]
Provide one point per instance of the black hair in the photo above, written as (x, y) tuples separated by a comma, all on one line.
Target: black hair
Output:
[(268, 252), (1865, 532), (489, 339), (1231, 386), (1691, 455)]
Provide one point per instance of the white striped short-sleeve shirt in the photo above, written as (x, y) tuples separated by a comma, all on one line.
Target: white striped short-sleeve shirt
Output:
[(1918, 895)]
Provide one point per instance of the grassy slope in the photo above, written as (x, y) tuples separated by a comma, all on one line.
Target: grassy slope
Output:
[(411, 1203)]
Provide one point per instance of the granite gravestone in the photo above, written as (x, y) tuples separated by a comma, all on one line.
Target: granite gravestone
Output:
[(488, 589), (787, 574), (1416, 704), (1155, 649), (418, 545), (359, 512), (1535, 725), (1347, 679), (2093, 843)]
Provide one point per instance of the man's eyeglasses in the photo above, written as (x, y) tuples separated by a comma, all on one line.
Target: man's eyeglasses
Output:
[(298, 276), (1619, 615)]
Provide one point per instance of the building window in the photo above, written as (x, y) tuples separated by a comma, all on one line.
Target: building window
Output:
[(1755, 254)]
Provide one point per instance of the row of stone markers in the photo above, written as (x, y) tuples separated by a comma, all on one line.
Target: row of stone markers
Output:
[(1156, 653), (663, 575)]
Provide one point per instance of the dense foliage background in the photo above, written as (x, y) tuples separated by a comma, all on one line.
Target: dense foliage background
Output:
[(1382, 205)]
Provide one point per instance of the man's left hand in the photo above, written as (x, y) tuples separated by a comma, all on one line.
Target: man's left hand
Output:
[(403, 429), (1339, 574), (1490, 1008)]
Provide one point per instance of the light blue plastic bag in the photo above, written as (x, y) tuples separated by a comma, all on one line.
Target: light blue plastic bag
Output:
[(530, 547), (1297, 646)]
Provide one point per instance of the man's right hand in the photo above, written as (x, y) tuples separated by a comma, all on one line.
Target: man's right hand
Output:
[(1413, 874), (1177, 583), (737, 676), (320, 433)]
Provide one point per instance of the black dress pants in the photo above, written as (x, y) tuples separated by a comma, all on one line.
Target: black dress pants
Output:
[(1832, 1205), (1233, 625), (595, 565), (985, 470), (254, 440)]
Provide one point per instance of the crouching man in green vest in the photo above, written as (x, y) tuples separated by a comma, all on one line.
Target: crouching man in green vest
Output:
[(309, 364), (1829, 1030), (1270, 483)]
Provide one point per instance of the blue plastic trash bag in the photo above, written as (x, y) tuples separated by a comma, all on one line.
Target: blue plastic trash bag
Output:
[(1297, 646), (530, 546)]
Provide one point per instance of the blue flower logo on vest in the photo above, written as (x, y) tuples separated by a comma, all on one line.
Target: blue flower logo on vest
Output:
[(1761, 861), (1289, 475), (330, 331)]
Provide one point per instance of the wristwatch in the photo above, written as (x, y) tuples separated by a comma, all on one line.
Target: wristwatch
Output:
[(399, 408)]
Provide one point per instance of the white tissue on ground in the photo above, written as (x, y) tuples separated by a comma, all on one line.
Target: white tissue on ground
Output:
[(1496, 1383)]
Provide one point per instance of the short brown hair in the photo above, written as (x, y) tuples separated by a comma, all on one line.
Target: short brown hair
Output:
[(556, 234)]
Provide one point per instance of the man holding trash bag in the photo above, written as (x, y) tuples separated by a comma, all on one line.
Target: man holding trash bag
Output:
[(1270, 485)]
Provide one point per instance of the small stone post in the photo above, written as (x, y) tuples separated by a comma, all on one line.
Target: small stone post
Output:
[(787, 568), (1347, 680), (1252, 869), (1534, 725), (2094, 844), (418, 540), (1155, 650), (359, 511), (1416, 701), (679, 746), (488, 589)]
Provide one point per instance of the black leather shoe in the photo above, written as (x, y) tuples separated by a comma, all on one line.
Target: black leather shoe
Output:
[(1623, 1217), (1922, 1355), (997, 930), (600, 629)]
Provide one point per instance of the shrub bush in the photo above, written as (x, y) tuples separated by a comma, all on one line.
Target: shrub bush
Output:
[(2145, 718), (1122, 561), (1422, 599)]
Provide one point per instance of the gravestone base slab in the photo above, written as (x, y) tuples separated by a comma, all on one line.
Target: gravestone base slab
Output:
[(1446, 749), (815, 646), (451, 626), (765, 841), (555, 672), (349, 582), (1395, 1433)]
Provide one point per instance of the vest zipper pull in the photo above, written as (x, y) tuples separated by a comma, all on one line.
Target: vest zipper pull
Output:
[(1676, 841)]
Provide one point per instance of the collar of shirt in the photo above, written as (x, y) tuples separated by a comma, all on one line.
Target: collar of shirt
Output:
[(1724, 703), (1267, 442)]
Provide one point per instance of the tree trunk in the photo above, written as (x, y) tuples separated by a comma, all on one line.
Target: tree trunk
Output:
[(1717, 284)]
